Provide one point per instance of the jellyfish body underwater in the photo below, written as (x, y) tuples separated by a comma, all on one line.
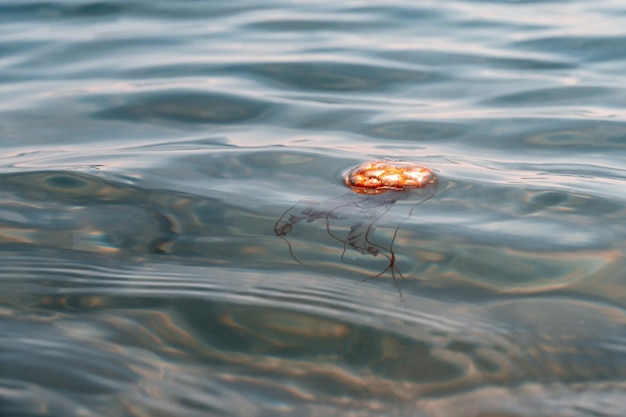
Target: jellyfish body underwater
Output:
[(375, 187)]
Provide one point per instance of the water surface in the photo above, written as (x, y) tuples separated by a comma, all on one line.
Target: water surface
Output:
[(148, 150)]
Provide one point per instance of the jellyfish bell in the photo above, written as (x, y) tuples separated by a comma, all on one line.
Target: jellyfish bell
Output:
[(377, 177)]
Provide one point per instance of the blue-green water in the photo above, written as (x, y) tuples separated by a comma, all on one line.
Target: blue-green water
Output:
[(150, 148)]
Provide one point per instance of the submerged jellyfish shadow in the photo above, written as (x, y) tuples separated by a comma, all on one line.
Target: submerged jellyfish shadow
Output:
[(351, 220)]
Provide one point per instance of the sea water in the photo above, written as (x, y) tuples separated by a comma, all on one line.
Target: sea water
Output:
[(152, 151)]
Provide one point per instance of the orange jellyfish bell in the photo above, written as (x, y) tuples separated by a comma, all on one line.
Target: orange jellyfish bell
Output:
[(376, 177)]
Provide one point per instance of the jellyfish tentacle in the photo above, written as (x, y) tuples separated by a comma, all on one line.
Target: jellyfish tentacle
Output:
[(330, 216), (392, 256), (357, 239), (287, 227), (394, 269), (391, 266), (370, 247), (395, 234), (310, 214), (372, 226), (356, 233), (282, 231)]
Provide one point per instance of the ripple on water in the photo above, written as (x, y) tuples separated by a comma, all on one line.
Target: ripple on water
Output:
[(143, 335), (181, 107)]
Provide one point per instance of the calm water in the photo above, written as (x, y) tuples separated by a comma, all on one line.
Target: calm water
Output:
[(149, 149)]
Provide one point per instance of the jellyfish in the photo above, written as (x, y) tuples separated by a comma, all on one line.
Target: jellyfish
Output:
[(375, 187)]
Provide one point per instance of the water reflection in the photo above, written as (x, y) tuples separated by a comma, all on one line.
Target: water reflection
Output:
[(80, 212), (197, 339)]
